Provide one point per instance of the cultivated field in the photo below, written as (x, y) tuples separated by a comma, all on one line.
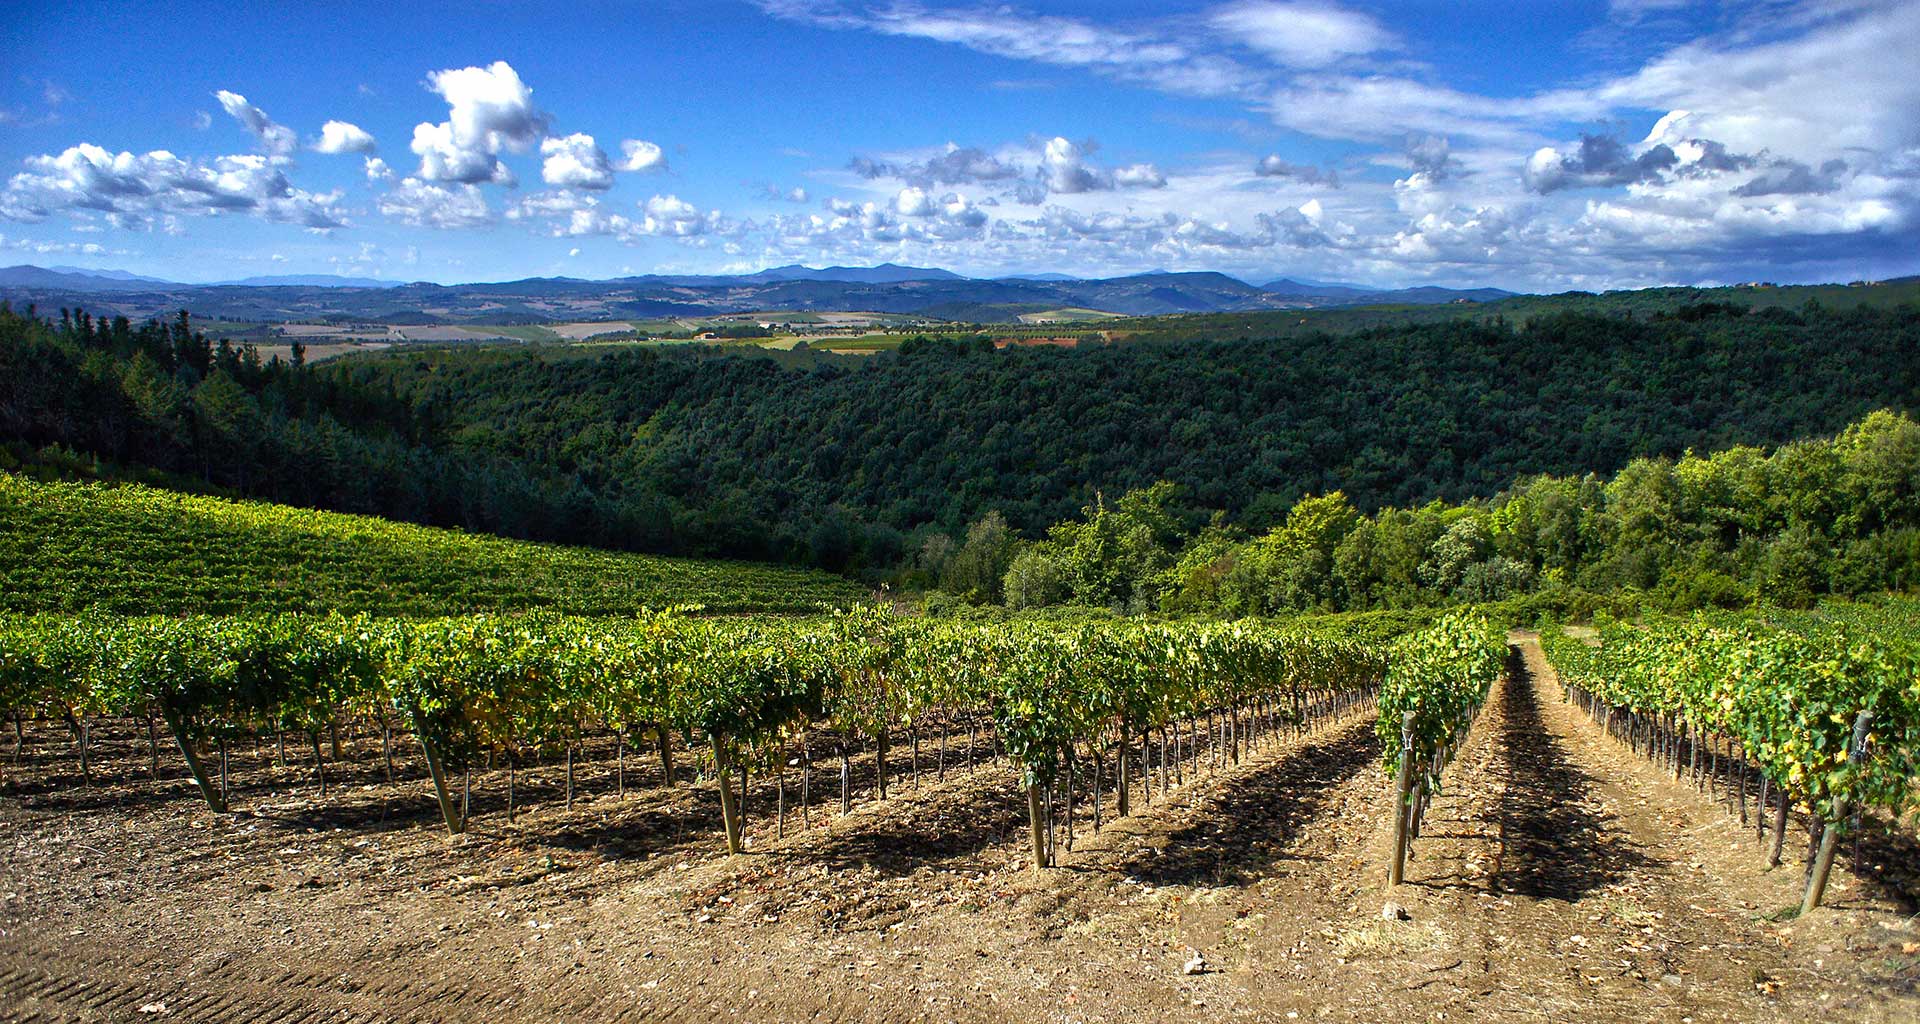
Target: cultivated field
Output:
[(1557, 877)]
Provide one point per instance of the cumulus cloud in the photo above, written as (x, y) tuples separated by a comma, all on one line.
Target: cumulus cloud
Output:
[(342, 137), (378, 171), (958, 165), (1273, 166), (489, 110), (1793, 178), (1064, 167), (642, 156), (1599, 160), (1139, 176), (1029, 174), (132, 190), (575, 161), (1302, 35), (565, 213), (913, 202), (671, 215), (1431, 155), (45, 248), (277, 139), (425, 204)]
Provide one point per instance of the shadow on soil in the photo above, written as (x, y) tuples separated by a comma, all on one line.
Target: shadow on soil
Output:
[(1551, 845), (1246, 828)]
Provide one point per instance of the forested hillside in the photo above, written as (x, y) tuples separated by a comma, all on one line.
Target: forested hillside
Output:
[(1736, 527), (848, 465)]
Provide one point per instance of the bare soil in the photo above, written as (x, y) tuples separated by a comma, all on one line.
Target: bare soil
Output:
[(1558, 878)]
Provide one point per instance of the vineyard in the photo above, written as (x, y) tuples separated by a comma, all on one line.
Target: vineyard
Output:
[(1074, 708), (740, 777), (1822, 711), (140, 550)]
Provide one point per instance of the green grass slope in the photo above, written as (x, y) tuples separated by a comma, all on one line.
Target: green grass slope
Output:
[(134, 549)]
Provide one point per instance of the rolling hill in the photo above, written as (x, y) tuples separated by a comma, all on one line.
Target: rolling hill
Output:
[(884, 289), (141, 550)]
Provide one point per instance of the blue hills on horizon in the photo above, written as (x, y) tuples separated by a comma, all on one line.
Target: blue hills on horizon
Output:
[(885, 288)]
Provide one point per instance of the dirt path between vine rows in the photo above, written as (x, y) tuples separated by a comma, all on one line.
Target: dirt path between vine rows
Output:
[(1559, 878)]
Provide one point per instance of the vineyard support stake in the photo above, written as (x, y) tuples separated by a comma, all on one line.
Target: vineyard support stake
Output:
[(1037, 827), (729, 815), (1823, 862), (1403, 780), (666, 755)]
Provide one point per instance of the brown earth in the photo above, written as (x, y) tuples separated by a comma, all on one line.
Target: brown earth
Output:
[(1558, 878)]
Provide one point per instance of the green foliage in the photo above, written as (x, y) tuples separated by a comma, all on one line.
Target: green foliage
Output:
[(1786, 686), (476, 684), (1441, 675), (1786, 527), (707, 453)]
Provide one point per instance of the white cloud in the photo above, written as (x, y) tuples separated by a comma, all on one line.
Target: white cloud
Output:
[(565, 213), (575, 161), (277, 139), (132, 190), (378, 171), (45, 248), (342, 137), (489, 110), (1064, 166), (1302, 35), (1273, 166), (955, 165), (913, 202), (1139, 176), (671, 215), (1154, 58), (642, 156), (425, 204)]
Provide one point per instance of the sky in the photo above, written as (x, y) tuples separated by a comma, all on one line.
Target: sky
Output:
[(1532, 146)]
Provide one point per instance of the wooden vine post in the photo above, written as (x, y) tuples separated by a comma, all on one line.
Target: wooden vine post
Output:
[(729, 813), (1036, 824), (1823, 862), (456, 822), (1402, 784)]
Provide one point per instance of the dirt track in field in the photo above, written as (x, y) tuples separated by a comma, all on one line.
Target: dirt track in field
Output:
[(1558, 878)]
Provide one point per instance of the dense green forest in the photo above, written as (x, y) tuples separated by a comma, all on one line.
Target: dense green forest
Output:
[(853, 464), (1741, 526)]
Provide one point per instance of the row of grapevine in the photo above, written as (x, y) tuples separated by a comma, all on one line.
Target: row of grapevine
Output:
[(140, 550), (1437, 680), (479, 687), (1825, 709)]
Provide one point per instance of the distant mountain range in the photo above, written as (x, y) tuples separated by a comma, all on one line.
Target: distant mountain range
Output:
[(83, 280), (887, 288)]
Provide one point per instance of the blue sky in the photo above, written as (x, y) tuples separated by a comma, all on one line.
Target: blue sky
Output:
[(1531, 146)]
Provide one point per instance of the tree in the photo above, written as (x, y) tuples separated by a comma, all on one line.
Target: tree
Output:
[(977, 570), (1035, 579)]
